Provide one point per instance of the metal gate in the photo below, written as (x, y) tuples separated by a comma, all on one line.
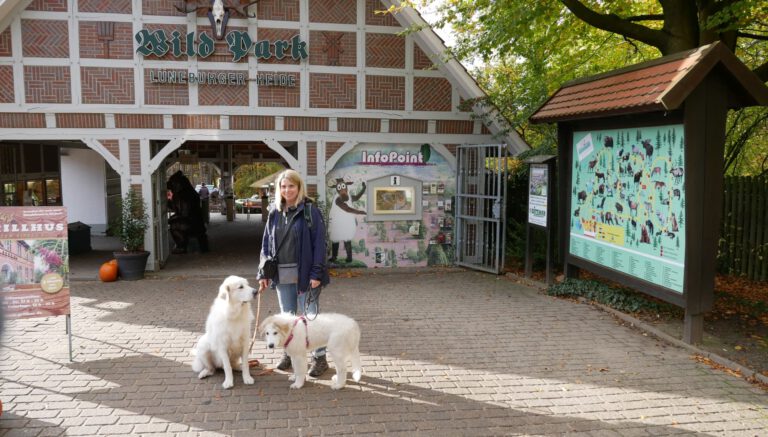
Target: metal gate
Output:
[(480, 206)]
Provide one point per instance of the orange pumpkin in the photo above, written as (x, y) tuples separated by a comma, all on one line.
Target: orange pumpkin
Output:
[(108, 271)]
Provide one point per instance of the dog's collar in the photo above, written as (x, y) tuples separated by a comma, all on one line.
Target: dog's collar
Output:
[(290, 335)]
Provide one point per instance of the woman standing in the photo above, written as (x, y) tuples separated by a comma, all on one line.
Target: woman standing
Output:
[(295, 235)]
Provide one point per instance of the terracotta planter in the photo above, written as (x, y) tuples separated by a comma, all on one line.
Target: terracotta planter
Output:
[(131, 265)]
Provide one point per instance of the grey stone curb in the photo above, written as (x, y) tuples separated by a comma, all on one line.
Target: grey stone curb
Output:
[(642, 326)]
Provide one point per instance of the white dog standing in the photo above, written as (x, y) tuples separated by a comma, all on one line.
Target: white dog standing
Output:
[(225, 344), (298, 335)]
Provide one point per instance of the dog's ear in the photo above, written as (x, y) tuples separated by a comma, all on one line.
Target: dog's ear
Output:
[(284, 328), (224, 292)]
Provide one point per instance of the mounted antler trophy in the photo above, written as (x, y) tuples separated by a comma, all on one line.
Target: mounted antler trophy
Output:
[(218, 12)]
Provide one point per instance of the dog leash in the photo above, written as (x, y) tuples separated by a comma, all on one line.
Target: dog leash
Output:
[(306, 328), (256, 327)]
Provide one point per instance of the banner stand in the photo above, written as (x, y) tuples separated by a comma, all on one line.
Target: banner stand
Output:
[(69, 334), (540, 216)]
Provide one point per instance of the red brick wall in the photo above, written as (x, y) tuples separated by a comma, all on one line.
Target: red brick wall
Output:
[(455, 126), (120, 47), (21, 120), (306, 123), (160, 7), (312, 190), (113, 146), (359, 125), (251, 122), (281, 10), (408, 126), (332, 91), (431, 94), (224, 95), (6, 84), (113, 6), (82, 121), (451, 148), (384, 50), (312, 158), (282, 97), (420, 59), (165, 93), (45, 38), (134, 156), (332, 48), (48, 5), (184, 121), (333, 11), (47, 84), (372, 18), (331, 148), (138, 121), (385, 92), (109, 86), (6, 49)]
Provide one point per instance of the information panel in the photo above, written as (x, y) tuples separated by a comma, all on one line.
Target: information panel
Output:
[(34, 262), (628, 203), (537, 195)]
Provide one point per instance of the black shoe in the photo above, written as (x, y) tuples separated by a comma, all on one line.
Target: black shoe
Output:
[(319, 366), (285, 363)]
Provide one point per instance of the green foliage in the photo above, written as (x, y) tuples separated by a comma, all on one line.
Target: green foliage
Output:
[(245, 175), (622, 299), (132, 222)]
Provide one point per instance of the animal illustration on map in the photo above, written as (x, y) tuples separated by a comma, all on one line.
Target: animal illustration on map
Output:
[(648, 148), (677, 172)]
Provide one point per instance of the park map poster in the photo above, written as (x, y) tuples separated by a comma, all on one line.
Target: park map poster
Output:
[(628, 202)]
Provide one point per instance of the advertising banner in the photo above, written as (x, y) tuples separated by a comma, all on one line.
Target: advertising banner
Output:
[(628, 202), (537, 195), (34, 262)]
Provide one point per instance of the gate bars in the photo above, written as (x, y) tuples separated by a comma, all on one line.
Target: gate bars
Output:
[(481, 210)]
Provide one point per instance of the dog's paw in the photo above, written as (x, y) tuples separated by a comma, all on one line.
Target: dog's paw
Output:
[(356, 375), (228, 383), (335, 384), (292, 378), (247, 379), (297, 385), (204, 373)]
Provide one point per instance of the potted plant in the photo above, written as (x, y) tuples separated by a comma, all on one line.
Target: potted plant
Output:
[(129, 226)]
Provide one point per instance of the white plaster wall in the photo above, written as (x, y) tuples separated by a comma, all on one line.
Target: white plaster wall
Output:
[(83, 188)]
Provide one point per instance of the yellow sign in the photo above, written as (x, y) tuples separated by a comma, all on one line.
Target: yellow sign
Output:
[(610, 234)]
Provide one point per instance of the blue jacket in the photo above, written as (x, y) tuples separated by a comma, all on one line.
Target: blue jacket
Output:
[(310, 243)]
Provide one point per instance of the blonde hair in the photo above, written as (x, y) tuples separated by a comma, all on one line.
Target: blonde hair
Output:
[(295, 177)]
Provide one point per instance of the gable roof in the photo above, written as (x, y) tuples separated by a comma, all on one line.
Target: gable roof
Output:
[(436, 49), (659, 85)]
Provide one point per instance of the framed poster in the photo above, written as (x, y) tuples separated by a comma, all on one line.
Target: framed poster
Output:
[(34, 262), (628, 202), (393, 200), (537, 195)]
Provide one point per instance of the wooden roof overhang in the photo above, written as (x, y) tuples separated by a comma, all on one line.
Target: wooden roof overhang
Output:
[(660, 85)]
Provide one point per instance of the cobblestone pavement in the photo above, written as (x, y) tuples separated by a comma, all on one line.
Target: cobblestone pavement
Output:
[(444, 353)]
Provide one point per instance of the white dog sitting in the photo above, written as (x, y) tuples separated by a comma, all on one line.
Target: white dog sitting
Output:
[(225, 344), (297, 335)]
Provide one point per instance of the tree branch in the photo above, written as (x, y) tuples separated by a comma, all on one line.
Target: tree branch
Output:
[(652, 17), (752, 36), (613, 23)]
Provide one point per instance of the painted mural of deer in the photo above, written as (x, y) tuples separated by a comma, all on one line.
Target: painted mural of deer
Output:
[(218, 12)]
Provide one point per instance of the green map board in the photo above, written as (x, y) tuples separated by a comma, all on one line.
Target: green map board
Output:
[(628, 203)]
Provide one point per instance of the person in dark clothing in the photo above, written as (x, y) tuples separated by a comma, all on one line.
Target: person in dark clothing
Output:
[(295, 235)]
